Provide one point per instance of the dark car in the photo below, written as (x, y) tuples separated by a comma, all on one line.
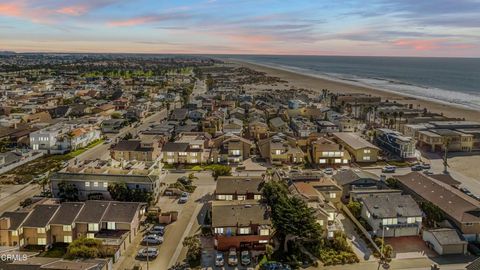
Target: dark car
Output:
[(158, 230), (416, 168)]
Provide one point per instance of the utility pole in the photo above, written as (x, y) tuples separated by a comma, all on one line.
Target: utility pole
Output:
[(446, 143)]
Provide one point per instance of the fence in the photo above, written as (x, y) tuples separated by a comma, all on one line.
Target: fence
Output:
[(19, 163), (360, 227)]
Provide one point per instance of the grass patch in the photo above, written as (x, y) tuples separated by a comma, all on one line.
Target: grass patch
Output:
[(57, 251)]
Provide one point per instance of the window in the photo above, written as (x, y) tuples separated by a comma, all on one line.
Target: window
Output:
[(40, 230), (264, 232), (366, 158), (320, 222), (105, 184), (93, 227), (170, 154), (322, 161), (87, 184), (111, 226), (262, 241), (241, 197), (219, 230), (95, 184), (368, 214), (418, 219), (236, 152), (245, 230), (67, 228), (367, 151), (42, 241), (390, 221), (221, 197), (257, 197), (182, 153), (194, 160), (330, 234), (333, 195), (170, 160), (193, 154), (67, 238), (14, 233), (331, 216), (278, 152), (338, 160), (229, 197), (90, 235), (345, 161)]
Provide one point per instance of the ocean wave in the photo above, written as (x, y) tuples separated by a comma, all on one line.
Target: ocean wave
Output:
[(454, 98)]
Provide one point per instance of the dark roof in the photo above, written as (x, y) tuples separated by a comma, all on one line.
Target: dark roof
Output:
[(16, 218), (175, 147), (446, 236), (82, 177), (130, 145), (349, 176), (41, 215), (239, 213), (67, 213), (92, 212), (239, 185), (391, 206), (450, 200), (121, 212), (447, 179), (475, 265)]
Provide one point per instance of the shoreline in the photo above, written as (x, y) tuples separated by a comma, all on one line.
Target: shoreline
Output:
[(316, 83)]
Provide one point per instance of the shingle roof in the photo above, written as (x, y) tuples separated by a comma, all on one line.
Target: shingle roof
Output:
[(67, 213), (353, 140), (175, 147), (41, 215), (446, 236), (92, 212), (16, 218), (126, 145), (452, 201), (392, 206), (350, 176), (238, 185), (124, 178), (239, 213), (121, 212)]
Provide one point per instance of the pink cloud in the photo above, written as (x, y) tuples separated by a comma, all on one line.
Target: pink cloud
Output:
[(10, 9), (130, 22), (73, 10), (419, 44)]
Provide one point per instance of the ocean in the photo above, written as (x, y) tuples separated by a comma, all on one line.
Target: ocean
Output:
[(454, 81)]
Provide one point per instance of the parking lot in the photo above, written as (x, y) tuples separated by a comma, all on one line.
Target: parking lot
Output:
[(188, 222)]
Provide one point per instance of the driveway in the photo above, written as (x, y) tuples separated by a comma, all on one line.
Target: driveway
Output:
[(409, 247)]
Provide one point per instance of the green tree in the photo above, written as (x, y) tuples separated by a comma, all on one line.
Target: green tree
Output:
[(128, 136), (116, 116), (392, 183), (121, 192), (85, 248), (67, 192), (194, 249), (355, 208), (220, 170), (434, 213)]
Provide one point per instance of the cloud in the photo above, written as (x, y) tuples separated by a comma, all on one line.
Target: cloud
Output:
[(148, 19), (431, 44), (73, 10)]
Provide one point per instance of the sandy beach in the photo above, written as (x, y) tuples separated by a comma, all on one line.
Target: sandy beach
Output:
[(317, 84)]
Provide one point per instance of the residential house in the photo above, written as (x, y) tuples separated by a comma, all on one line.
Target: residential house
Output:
[(395, 143), (392, 215), (11, 231), (62, 225), (136, 150), (82, 137), (112, 125), (242, 224), (325, 152), (258, 130), (92, 180), (361, 150), (36, 228), (278, 125), (462, 210), (189, 148), (179, 114), (239, 188), (279, 149), (302, 127), (230, 148), (356, 179), (233, 126)]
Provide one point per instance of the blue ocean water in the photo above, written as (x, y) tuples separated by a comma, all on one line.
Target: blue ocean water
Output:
[(450, 80)]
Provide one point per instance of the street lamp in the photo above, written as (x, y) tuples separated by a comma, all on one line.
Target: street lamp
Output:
[(381, 261)]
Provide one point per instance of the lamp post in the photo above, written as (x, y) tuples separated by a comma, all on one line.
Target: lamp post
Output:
[(381, 260)]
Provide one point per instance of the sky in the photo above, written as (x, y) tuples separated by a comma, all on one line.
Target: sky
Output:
[(439, 28)]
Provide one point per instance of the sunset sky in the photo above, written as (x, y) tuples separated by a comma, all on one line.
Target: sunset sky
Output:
[(355, 27)]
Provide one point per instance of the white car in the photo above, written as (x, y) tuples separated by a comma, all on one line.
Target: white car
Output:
[(183, 198), (328, 171), (232, 257)]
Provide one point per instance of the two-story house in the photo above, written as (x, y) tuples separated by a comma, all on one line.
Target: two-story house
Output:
[(136, 150), (280, 149), (230, 148), (326, 153), (239, 188)]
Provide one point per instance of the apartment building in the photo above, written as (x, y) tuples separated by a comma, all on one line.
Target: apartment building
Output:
[(361, 150), (327, 153)]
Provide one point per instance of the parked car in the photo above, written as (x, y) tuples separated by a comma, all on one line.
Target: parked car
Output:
[(150, 252), (275, 266), (152, 239), (219, 259), (389, 169), (426, 166), (232, 257), (245, 257), (428, 172), (183, 198), (158, 230), (416, 168), (328, 171), (107, 141)]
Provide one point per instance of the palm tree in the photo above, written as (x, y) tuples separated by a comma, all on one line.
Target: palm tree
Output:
[(400, 115), (395, 115)]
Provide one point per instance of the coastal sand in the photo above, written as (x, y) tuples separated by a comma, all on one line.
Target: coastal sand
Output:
[(317, 84)]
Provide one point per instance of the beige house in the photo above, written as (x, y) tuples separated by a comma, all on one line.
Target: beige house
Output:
[(230, 148), (189, 148), (325, 152), (279, 150), (435, 139), (11, 232), (258, 130), (135, 150), (360, 149)]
